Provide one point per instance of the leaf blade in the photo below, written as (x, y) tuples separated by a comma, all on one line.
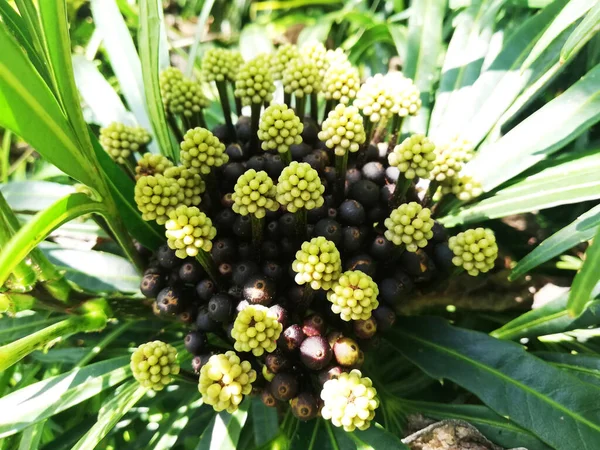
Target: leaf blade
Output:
[(586, 279), (582, 34)]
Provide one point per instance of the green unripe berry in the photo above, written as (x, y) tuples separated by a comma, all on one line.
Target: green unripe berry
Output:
[(317, 54), (411, 225), (475, 250), (254, 82), (189, 230), (341, 82), (413, 157), (181, 95), (153, 364), (282, 57), (375, 98), (299, 186), (121, 141), (449, 160), (224, 380), (350, 401), (156, 196), (151, 164), (407, 97), (353, 296), (190, 182), (318, 263), (343, 130), (202, 150), (220, 64), (279, 128), (254, 193), (301, 77), (256, 329)]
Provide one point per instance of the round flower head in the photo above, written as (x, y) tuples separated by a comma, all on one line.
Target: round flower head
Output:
[(375, 98), (407, 97), (301, 77), (156, 196), (341, 82), (190, 182), (254, 193), (449, 160), (413, 157), (254, 82), (343, 130), (318, 263), (220, 64), (282, 57), (153, 364), (279, 128), (464, 186), (299, 186), (353, 296), (151, 164), (224, 380), (350, 401), (188, 231), (317, 53), (202, 150), (121, 141), (168, 80), (180, 94), (409, 224), (475, 250), (256, 330)]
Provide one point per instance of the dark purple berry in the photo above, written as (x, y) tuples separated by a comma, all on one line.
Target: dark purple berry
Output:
[(269, 250), (223, 250), (235, 153), (243, 271), (191, 272), (220, 307), (442, 255), (351, 212), (224, 221), (195, 342), (267, 397), (314, 325), (152, 284), (242, 227), (205, 289), (284, 386), (277, 362), (281, 313), (381, 249), (362, 262), (299, 151), (274, 166), (272, 270), (315, 352), (169, 301), (166, 257), (352, 239), (329, 229), (365, 329), (204, 322), (330, 373), (256, 162), (384, 316), (305, 406), (365, 192), (292, 338)]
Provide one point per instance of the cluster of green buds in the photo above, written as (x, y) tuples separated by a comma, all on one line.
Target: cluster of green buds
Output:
[(414, 157), (410, 225), (256, 330), (153, 364), (299, 187), (281, 58), (318, 263), (254, 193), (475, 250), (202, 150), (121, 141), (254, 82), (280, 128), (220, 64), (353, 296), (182, 97), (151, 164), (156, 196), (375, 99), (343, 130), (189, 231)]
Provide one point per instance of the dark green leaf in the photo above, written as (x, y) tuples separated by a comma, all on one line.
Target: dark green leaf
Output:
[(499, 373), (264, 422), (24, 323), (374, 438), (582, 34), (586, 279), (168, 432), (224, 431), (585, 367)]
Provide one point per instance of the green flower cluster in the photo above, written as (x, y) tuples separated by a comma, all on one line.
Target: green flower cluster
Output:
[(190, 183), (121, 141), (153, 364), (254, 193), (220, 64), (256, 329), (301, 77), (343, 130), (464, 186), (156, 196), (188, 231), (254, 82), (375, 98), (317, 263), (353, 296), (181, 95), (279, 128), (299, 186), (475, 250), (407, 97), (414, 157), (151, 164), (202, 150), (409, 224), (224, 380), (317, 53), (341, 82), (281, 58)]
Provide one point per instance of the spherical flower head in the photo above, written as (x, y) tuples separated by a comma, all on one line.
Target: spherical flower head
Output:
[(190, 182), (279, 128), (282, 57), (343, 130), (188, 231), (254, 193), (464, 186), (256, 329), (153, 364), (475, 250), (349, 401), (156, 196), (202, 150), (151, 164), (224, 380), (353, 296), (317, 54), (169, 78), (407, 97), (449, 160), (341, 82), (299, 186), (414, 157), (409, 224), (254, 82), (220, 64), (186, 98), (318, 263), (301, 77), (375, 98), (120, 141)]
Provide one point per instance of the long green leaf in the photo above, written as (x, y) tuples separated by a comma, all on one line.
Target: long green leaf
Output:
[(224, 431), (110, 413), (374, 438), (31, 437), (24, 323), (585, 367), (167, 434), (30, 111), (582, 34), (498, 429), (571, 182), (33, 232), (149, 43), (264, 422), (580, 230), (568, 115), (572, 12), (41, 400), (424, 45), (500, 374), (586, 279)]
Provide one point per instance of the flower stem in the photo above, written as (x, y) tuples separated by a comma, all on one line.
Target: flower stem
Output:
[(402, 185), (212, 189), (300, 216), (207, 263), (287, 99), (300, 106), (396, 129), (174, 127), (328, 108), (341, 164), (307, 294), (200, 119), (222, 88), (257, 232), (431, 189), (362, 152), (254, 122), (286, 157), (314, 107)]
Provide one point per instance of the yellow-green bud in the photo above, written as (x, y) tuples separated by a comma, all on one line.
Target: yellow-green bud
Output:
[(317, 263), (121, 141), (301, 77), (282, 57), (341, 82), (299, 186), (153, 364), (256, 329), (220, 64), (375, 98), (413, 157), (475, 250), (449, 160), (156, 196), (317, 53), (407, 97), (343, 130), (464, 186), (354, 296), (188, 231), (180, 94), (202, 150), (409, 224), (279, 128), (151, 164), (190, 182), (254, 193), (254, 82)]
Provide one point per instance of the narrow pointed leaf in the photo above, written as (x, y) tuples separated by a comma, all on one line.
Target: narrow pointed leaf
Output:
[(499, 373), (264, 422), (586, 279), (374, 438), (167, 434), (582, 34), (24, 323), (585, 367), (224, 431)]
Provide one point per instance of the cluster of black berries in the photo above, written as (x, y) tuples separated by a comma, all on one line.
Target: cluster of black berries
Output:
[(305, 236)]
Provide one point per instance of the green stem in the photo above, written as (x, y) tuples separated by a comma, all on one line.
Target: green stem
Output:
[(23, 277), (109, 338), (129, 168), (254, 122), (431, 189), (328, 107), (286, 157), (396, 128), (207, 263), (402, 185), (307, 294), (300, 216), (188, 377), (238, 102), (287, 99), (200, 119), (17, 350), (314, 107), (362, 152), (257, 232), (5, 159), (300, 106), (341, 164), (224, 98), (174, 127)]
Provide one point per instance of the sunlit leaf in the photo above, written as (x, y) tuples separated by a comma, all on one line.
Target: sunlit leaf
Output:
[(582, 34), (586, 279)]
